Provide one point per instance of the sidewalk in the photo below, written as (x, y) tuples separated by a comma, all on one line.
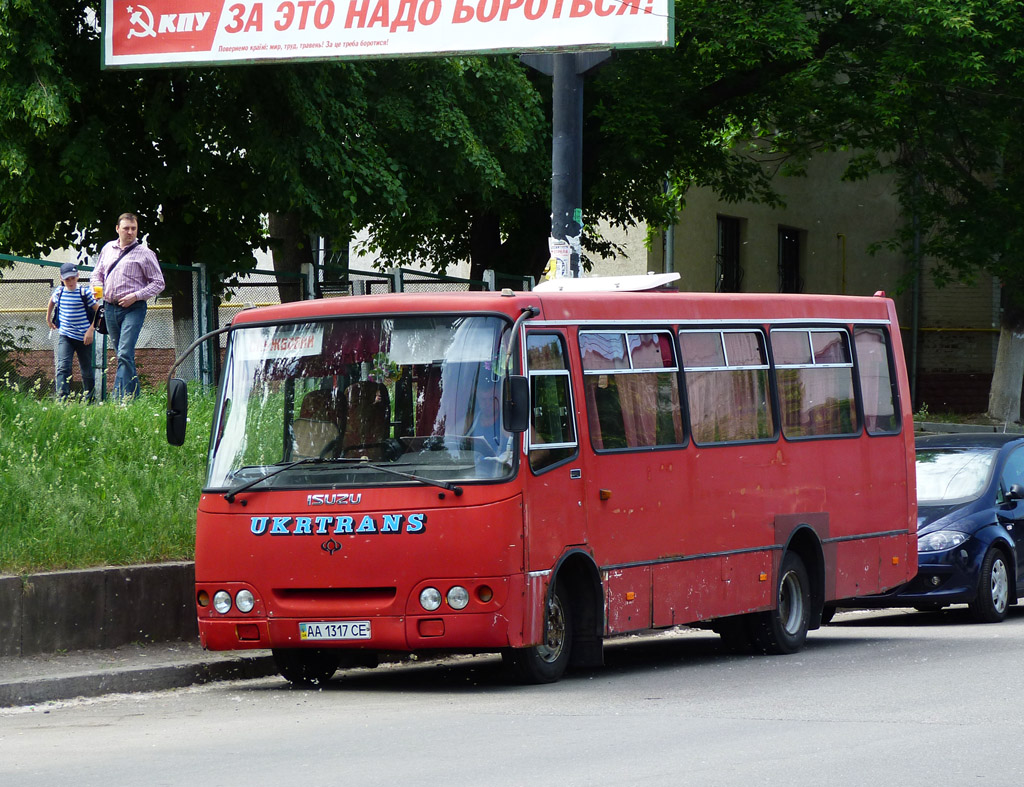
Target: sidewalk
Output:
[(89, 673)]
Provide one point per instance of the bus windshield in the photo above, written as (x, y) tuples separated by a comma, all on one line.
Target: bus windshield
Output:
[(362, 398)]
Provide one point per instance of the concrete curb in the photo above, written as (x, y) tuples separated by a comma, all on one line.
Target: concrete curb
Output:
[(930, 427), (101, 680)]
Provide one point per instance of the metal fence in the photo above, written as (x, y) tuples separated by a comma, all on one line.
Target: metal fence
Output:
[(28, 346)]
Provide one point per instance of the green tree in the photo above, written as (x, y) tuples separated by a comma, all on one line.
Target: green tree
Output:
[(448, 159), (937, 100), (203, 155), (931, 91), (651, 117), (953, 111), (471, 146)]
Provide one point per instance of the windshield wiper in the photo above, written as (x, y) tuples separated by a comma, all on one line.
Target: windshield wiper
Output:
[(454, 488), (232, 493)]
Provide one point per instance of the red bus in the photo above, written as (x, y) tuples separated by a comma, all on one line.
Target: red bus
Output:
[(533, 472)]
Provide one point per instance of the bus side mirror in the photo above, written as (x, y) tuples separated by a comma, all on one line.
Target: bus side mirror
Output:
[(177, 411), (517, 403)]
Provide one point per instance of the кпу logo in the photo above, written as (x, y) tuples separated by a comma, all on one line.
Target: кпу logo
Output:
[(143, 23), (154, 27), (141, 20)]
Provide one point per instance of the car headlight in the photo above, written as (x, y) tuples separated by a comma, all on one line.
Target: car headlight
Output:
[(941, 540)]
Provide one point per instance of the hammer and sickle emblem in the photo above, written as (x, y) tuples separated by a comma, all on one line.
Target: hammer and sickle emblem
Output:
[(330, 546), (141, 21)]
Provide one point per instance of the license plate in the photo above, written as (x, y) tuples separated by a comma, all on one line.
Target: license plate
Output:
[(346, 629)]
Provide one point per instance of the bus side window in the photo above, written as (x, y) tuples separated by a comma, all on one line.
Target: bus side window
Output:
[(631, 384), (814, 369), (726, 373), (878, 390), (552, 426)]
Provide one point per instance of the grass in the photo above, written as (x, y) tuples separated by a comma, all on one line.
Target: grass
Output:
[(91, 485), (977, 419)]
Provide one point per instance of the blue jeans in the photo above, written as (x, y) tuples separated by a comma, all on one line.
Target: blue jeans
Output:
[(67, 348), (123, 327)]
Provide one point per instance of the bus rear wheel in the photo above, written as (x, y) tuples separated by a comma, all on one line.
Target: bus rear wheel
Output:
[(783, 629), (546, 662), (306, 666)]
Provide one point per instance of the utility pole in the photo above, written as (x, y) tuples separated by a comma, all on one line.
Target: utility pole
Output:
[(566, 70)]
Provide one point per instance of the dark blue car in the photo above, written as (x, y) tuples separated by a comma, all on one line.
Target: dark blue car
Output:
[(970, 526)]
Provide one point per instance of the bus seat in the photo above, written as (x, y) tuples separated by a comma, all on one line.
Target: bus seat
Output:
[(368, 420), (319, 424)]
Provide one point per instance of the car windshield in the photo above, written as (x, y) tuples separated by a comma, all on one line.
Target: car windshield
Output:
[(946, 476), (379, 400)]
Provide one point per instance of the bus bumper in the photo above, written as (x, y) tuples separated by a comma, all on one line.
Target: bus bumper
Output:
[(482, 631)]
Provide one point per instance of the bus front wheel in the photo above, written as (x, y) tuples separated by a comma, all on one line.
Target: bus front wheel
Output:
[(546, 662), (306, 666), (784, 629)]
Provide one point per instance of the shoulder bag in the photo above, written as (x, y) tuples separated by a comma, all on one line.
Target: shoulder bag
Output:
[(99, 320)]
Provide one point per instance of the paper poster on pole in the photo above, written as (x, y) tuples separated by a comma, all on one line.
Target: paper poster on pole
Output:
[(172, 32), (561, 254)]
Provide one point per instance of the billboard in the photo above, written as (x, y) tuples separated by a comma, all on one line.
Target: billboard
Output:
[(182, 32)]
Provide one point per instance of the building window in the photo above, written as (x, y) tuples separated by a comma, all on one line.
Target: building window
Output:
[(728, 274), (789, 260)]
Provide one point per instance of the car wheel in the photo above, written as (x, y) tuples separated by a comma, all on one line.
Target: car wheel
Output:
[(993, 589), (784, 629)]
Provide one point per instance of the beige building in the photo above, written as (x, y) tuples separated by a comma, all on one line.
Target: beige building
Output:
[(820, 242)]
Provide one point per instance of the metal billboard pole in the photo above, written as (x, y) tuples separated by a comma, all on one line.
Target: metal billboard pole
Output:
[(566, 70)]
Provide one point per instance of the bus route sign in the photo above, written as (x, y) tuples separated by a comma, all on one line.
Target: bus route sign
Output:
[(155, 33)]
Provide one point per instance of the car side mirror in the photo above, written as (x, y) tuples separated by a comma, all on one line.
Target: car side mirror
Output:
[(516, 409), (177, 411), (1016, 492)]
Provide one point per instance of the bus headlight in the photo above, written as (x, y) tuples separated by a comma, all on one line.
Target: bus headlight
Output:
[(244, 601), (458, 597), (430, 599), (222, 601)]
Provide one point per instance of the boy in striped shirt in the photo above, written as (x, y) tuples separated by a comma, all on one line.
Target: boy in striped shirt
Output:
[(74, 309)]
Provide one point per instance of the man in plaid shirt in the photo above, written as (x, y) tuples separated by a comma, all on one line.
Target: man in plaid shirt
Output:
[(130, 275)]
